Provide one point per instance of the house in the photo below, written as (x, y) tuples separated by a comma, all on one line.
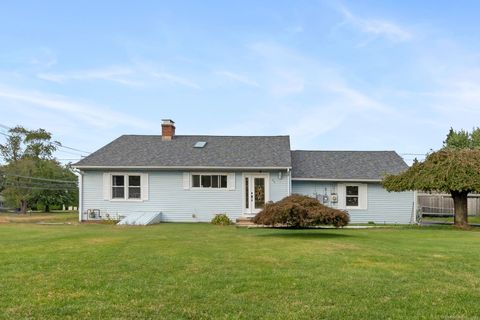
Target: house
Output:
[(192, 178)]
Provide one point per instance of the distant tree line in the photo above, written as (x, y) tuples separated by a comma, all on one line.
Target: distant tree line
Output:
[(31, 177)]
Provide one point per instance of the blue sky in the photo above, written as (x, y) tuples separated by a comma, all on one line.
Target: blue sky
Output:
[(335, 75)]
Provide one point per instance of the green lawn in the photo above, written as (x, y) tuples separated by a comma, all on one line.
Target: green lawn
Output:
[(471, 219), (200, 271), (39, 217)]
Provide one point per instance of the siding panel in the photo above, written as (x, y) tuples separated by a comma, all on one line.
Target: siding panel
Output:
[(382, 206), (167, 194)]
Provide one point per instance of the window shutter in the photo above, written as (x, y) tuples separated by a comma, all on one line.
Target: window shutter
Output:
[(186, 180), (144, 186), (362, 192), (231, 181), (107, 186), (341, 193)]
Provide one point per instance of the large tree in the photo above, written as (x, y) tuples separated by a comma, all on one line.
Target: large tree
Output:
[(31, 181), (31, 175), (462, 139), (452, 170), (58, 185), (15, 183)]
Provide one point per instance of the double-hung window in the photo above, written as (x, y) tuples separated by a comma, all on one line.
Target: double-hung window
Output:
[(207, 181), (126, 187), (352, 196)]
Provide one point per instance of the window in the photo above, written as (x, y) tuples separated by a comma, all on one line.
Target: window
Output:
[(134, 187), (126, 187), (352, 196), (118, 187), (215, 181)]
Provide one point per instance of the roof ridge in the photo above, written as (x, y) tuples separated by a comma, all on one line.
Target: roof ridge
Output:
[(301, 150), (204, 135)]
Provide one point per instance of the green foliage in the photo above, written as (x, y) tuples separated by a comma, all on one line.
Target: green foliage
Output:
[(13, 149), (28, 154), (462, 139), (56, 194), (300, 211), (21, 189), (23, 143), (15, 193), (221, 219), (445, 170)]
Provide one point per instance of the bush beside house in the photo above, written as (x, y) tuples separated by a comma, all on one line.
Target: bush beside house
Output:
[(300, 211)]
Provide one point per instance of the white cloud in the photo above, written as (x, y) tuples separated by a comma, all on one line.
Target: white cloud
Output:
[(120, 75), (310, 98), (376, 27), (175, 79), (132, 76), (238, 78), (44, 58), (287, 82), (96, 116)]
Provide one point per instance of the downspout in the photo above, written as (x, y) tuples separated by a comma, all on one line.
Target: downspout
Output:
[(289, 182), (80, 196), (415, 208)]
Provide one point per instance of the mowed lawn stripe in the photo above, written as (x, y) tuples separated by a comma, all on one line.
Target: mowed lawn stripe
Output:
[(195, 271)]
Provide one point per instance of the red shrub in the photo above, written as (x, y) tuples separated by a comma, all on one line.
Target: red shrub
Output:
[(300, 211)]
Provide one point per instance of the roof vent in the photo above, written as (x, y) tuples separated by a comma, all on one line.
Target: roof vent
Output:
[(200, 144)]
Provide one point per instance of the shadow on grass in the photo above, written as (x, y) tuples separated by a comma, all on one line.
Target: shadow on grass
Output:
[(305, 234)]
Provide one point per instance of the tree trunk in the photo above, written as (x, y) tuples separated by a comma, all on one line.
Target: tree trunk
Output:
[(23, 206), (460, 202), (47, 208)]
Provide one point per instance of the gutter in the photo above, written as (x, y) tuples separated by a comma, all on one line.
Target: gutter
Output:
[(181, 168), (333, 179)]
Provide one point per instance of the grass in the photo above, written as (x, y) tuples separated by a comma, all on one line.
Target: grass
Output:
[(39, 217), (471, 219), (200, 271)]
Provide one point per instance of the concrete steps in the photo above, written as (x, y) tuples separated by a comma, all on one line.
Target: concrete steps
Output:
[(244, 222)]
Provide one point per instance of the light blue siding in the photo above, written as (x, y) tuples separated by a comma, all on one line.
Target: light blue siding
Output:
[(167, 194), (382, 206)]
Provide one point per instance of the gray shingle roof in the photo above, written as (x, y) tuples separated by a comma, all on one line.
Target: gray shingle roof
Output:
[(220, 151), (339, 165)]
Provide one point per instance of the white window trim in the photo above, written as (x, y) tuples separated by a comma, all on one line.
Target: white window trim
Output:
[(358, 196), (125, 196), (209, 174), (362, 196)]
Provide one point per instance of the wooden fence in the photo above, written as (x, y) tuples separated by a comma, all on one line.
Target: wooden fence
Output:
[(442, 204)]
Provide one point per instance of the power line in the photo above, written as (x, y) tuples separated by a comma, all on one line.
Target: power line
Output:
[(39, 183), (39, 188), (71, 153), (42, 179), (413, 154), (62, 146), (58, 144)]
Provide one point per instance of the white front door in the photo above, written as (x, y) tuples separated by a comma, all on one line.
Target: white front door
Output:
[(255, 193)]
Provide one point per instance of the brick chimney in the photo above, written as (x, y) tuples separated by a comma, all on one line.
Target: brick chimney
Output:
[(168, 129)]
